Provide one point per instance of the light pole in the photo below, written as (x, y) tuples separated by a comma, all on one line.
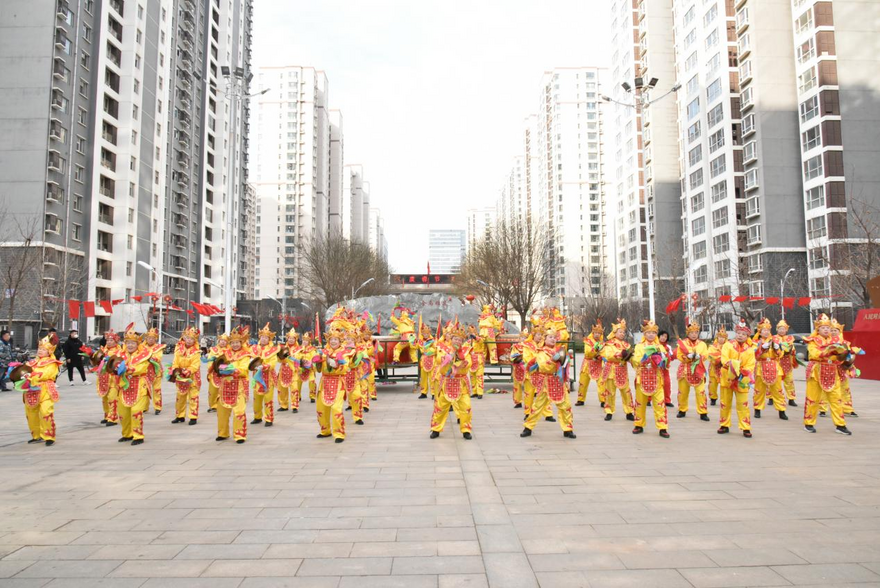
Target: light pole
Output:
[(283, 304), (236, 85), (354, 292), (158, 279), (782, 290), (641, 102)]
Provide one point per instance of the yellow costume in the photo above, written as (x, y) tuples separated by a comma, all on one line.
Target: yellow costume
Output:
[(478, 365), (787, 360), (490, 327), (592, 366), (428, 351), (264, 391), (233, 384), (691, 353), (647, 359), (154, 374), (41, 395), (334, 363), (531, 346), (405, 327), (826, 354), (351, 381), (547, 369), (737, 377), (715, 364), (219, 350), (134, 389), (108, 381), (455, 363), (289, 382), (518, 369), (616, 353), (768, 376), (187, 376), (307, 351)]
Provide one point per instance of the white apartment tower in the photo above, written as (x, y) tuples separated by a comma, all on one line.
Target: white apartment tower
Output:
[(291, 171), (355, 204), (479, 224)]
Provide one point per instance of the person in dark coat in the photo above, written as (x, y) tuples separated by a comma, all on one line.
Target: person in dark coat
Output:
[(72, 357)]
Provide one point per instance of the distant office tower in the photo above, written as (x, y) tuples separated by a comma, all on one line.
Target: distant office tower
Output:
[(479, 225), (446, 250), (378, 241), (355, 204), (291, 171)]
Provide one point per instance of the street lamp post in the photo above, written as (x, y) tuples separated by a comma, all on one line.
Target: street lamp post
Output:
[(156, 276), (782, 290), (283, 304), (354, 292), (640, 103)]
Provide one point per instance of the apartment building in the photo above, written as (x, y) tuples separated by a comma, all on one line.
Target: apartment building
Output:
[(479, 224), (446, 249), (377, 240), (355, 204), (337, 157)]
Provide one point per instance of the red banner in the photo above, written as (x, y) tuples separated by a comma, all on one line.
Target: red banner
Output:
[(805, 301), (673, 306), (89, 309), (788, 302), (772, 300), (725, 298), (107, 306)]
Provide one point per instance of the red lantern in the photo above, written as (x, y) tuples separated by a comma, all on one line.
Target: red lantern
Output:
[(470, 297)]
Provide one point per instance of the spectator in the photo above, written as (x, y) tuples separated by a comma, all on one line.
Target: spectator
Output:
[(5, 357), (72, 357)]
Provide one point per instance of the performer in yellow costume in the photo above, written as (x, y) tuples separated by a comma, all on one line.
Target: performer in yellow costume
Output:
[(691, 354), (478, 356), (518, 368), (715, 364), (219, 350), (454, 367), (289, 383), (556, 323), (39, 392), (307, 370), (490, 327), (616, 353), (405, 327), (737, 378), (592, 366), (548, 368), (351, 379), (107, 381), (187, 377), (334, 363), (846, 371), (787, 360), (647, 359), (826, 354), (234, 387), (154, 374), (428, 350), (530, 349), (768, 380), (134, 389), (264, 383)]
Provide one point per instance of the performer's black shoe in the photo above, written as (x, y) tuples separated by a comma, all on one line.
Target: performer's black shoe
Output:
[(550, 419), (435, 434), (347, 408), (467, 436), (221, 438), (178, 420), (193, 422), (809, 428), (240, 441), (294, 410), (104, 422), (51, 442), (852, 414), (822, 413), (526, 432), (664, 433), (757, 413), (569, 434), (525, 417), (212, 410), (681, 415), (782, 415), (608, 417), (723, 430), (601, 405), (35, 441), (268, 424), (704, 417), (124, 439), (480, 397), (312, 400), (256, 421), (842, 430), (366, 409), (282, 409), (137, 442), (579, 403), (359, 422), (323, 436), (517, 405), (791, 402), (712, 401), (747, 434), (638, 430), (423, 396), (630, 417), (111, 424), (339, 440), (158, 412)]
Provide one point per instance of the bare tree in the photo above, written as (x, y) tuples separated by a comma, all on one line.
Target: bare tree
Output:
[(20, 263), (68, 275), (590, 304), (335, 267), (856, 261)]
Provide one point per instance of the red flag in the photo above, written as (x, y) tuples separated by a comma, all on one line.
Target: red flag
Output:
[(725, 298), (756, 298), (118, 301), (673, 306), (429, 268), (152, 294), (137, 298), (788, 302), (73, 309), (107, 306), (805, 301), (89, 308), (318, 330), (175, 307), (198, 307), (740, 298), (772, 300), (190, 313)]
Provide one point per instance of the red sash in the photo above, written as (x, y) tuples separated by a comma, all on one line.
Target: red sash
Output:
[(519, 372), (786, 364), (103, 384), (285, 374), (595, 368), (694, 378), (32, 398), (349, 378), (427, 362), (130, 395), (555, 388), (769, 371), (452, 388), (229, 392), (827, 376), (648, 379), (330, 385)]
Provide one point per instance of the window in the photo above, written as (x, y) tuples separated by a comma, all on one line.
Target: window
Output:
[(745, 71), (718, 166), (748, 125), (129, 242), (804, 22), (82, 116), (719, 191), (87, 33), (79, 174), (753, 235), (691, 62), (811, 138), (689, 16), (750, 151), (137, 61), (712, 39), (719, 218), (722, 268), (710, 15), (713, 64), (716, 141), (817, 258), (696, 179), (693, 84), (697, 202), (77, 203), (816, 228), (77, 232), (815, 197), (696, 155), (721, 243), (716, 115), (698, 226), (694, 132), (713, 92), (751, 179), (693, 108), (806, 51), (699, 250), (691, 37), (80, 145), (753, 207), (807, 80), (813, 168), (809, 109), (747, 98)]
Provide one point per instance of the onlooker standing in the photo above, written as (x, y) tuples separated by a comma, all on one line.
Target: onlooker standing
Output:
[(72, 356), (5, 357)]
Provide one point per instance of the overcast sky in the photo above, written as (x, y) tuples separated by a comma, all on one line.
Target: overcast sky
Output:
[(433, 94)]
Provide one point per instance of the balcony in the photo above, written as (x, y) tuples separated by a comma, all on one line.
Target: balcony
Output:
[(114, 28), (753, 208), (181, 199), (742, 20), (108, 159), (57, 132), (54, 193), (62, 43), (59, 71), (114, 55), (118, 6), (62, 12), (182, 159), (182, 179), (56, 162), (59, 102)]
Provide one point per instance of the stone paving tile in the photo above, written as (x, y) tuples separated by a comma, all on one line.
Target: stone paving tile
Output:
[(168, 569), (826, 573), (70, 569), (352, 566), (389, 582), (437, 565), (252, 568), (136, 552), (733, 577), (463, 581)]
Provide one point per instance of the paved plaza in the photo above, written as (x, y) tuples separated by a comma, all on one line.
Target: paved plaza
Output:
[(391, 507)]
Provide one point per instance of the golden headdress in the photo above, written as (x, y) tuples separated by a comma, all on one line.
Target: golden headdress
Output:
[(764, 324), (240, 333), (692, 327), (111, 335), (782, 325), (132, 335), (223, 337), (836, 325), (152, 332), (649, 326), (292, 334), (822, 321), (722, 332), (191, 332), (456, 329), (266, 332), (620, 324), (49, 343), (743, 327), (597, 328)]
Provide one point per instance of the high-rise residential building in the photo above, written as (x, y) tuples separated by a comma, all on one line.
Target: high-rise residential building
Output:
[(125, 96), (291, 171), (336, 172), (446, 250), (511, 205), (479, 224), (248, 242), (377, 240), (641, 163), (836, 55), (355, 204)]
